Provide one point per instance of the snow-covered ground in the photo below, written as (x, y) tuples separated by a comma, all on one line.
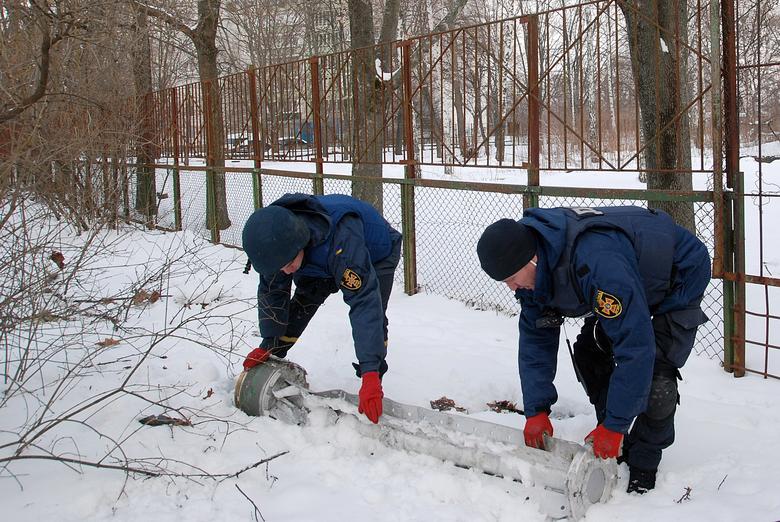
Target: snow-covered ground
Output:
[(726, 451), (180, 356)]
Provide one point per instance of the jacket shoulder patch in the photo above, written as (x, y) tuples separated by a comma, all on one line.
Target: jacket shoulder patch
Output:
[(350, 280), (607, 305)]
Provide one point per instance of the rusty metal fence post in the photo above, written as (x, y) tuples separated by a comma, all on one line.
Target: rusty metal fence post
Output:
[(722, 259), (734, 291), (319, 183), (717, 140), (258, 148), (728, 284), (407, 189), (176, 180), (531, 198)]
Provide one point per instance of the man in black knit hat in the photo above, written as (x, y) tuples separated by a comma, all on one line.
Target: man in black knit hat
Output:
[(324, 244), (638, 279)]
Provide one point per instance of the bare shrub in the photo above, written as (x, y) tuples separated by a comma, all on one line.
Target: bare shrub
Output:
[(78, 342)]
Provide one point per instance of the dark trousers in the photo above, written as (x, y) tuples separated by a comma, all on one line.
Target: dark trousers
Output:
[(653, 429), (311, 293)]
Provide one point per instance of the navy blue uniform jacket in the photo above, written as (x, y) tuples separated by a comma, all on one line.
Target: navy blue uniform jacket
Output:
[(606, 260), (348, 237)]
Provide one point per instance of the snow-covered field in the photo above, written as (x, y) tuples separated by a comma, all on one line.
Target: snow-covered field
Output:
[(725, 452)]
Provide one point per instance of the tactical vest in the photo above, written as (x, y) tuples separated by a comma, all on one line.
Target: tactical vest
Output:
[(376, 233), (652, 234)]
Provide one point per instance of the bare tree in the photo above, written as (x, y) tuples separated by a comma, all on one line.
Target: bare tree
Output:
[(264, 32), (146, 191), (63, 320), (368, 85), (658, 35), (203, 37), (26, 74), (448, 22), (65, 73), (367, 104), (72, 346), (759, 43)]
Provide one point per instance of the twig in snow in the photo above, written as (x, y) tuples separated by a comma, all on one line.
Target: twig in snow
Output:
[(252, 466), (722, 481), (269, 477), (257, 510), (148, 472), (686, 495)]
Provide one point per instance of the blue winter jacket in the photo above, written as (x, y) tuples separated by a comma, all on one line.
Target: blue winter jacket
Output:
[(625, 264), (348, 237)]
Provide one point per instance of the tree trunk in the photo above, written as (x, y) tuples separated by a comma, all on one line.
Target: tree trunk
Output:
[(434, 116), (146, 186), (609, 125), (460, 106), (496, 125), (215, 141), (478, 132), (658, 59), (590, 98), (389, 32), (367, 102), (388, 35), (204, 38)]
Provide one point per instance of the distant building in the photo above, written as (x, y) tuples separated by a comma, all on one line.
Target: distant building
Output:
[(328, 27)]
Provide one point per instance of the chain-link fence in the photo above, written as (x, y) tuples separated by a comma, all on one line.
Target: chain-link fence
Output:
[(448, 222)]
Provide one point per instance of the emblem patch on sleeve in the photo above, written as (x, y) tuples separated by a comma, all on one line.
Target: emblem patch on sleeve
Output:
[(350, 280), (607, 305)]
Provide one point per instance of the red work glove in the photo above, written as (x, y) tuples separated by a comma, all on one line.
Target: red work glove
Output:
[(370, 396), (535, 428), (606, 443), (255, 357)]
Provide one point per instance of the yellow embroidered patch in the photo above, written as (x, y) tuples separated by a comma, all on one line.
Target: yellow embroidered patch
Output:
[(607, 305), (350, 280)]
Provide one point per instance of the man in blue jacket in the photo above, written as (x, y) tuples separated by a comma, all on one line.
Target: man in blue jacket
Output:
[(638, 280), (324, 244)]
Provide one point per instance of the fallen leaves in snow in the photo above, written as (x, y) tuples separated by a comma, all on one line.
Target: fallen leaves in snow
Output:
[(504, 406), (163, 420), (58, 259), (143, 296), (446, 404)]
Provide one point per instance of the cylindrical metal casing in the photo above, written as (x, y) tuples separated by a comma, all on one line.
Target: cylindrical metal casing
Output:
[(571, 477), (254, 393)]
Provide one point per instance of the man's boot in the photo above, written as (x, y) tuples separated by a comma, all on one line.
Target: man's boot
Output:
[(640, 480)]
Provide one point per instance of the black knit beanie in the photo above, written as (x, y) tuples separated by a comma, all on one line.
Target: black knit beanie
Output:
[(272, 237), (505, 247)]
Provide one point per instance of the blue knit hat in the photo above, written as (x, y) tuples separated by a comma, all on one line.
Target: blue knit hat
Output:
[(272, 237), (505, 247)]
